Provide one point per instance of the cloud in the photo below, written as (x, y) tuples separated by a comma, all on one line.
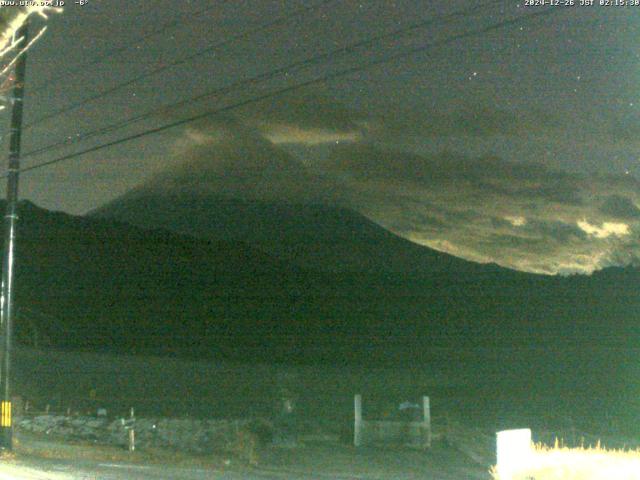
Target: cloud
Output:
[(521, 215), (315, 118), (226, 157), (620, 207), (291, 134), (465, 121), (607, 229), (516, 221), (324, 119), (307, 119)]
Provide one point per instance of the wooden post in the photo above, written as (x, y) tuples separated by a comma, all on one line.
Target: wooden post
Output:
[(132, 440), (132, 431), (357, 426), (426, 418)]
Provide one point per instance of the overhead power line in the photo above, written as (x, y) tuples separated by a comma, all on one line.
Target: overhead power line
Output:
[(178, 62), (294, 66), (342, 73), (43, 86)]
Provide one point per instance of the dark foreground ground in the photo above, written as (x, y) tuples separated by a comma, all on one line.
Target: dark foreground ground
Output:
[(472, 397), (43, 458), (540, 388)]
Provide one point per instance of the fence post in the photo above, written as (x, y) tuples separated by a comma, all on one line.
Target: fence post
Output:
[(357, 426), (426, 418), (132, 432)]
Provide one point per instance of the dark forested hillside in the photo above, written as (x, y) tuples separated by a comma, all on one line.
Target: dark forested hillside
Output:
[(99, 284)]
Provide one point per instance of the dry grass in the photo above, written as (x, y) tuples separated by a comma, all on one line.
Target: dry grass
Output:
[(583, 463)]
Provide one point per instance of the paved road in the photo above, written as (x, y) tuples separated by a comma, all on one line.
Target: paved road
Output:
[(38, 469), (315, 461)]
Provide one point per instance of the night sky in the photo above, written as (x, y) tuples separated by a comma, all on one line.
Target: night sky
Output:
[(517, 145)]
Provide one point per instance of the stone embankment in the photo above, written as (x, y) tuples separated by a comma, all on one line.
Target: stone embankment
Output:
[(189, 435)]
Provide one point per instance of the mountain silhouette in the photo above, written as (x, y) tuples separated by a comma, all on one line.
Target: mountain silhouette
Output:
[(234, 185), (313, 236)]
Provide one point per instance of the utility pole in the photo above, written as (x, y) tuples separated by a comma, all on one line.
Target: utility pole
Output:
[(10, 219)]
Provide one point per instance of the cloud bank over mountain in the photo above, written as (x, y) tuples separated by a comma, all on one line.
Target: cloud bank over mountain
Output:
[(224, 156), (524, 216), (531, 216)]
